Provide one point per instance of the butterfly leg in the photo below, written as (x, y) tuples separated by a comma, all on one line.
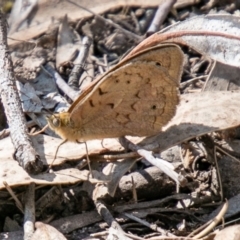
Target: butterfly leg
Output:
[(88, 160), (55, 156)]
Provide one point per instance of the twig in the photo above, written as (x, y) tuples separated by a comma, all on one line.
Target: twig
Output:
[(172, 238), (214, 222), (79, 64), (190, 81), (13, 195), (104, 212), (72, 94), (29, 212), (116, 157), (25, 154), (160, 16), (129, 34), (136, 22), (53, 195), (135, 198), (115, 228), (105, 233), (151, 204), (145, 22), (218, 172), (154, 227), (6, 132), (20, 13), (165, 166)]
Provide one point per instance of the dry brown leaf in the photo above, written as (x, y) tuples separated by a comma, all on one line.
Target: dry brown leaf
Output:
[(229, 233), (115, 171), (14, 175), (223, 78), (198, 114), (215, 36), (46, 232)]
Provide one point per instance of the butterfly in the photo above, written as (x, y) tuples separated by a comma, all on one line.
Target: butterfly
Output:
[(137, 97)]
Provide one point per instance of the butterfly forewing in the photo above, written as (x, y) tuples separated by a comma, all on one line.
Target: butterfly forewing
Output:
[(136, 99), (168, 56)]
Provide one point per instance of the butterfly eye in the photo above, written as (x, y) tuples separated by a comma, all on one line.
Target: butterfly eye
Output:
[(56, 122), (158, 64)]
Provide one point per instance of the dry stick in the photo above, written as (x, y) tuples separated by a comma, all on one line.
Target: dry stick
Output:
[(51, 196), (150, 204), (136, 22), (13, 195), (99, 234), (129, 34), (145, 22), (171, 238), (24, 151), (199, 229), (211, 4), (217, 167), (105, 233), (135, 198), (20, 13), (160, 16), (104, 212), (108, 218), (214, 222), (98, 62), (190, 81), (166, 167), (6, 132), (154, 227), (79, 64), (218, 172), (29, 212), (72, 94), (116, 157)]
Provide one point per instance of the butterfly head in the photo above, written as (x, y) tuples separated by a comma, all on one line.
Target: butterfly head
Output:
[(59, 123), (54, 121)]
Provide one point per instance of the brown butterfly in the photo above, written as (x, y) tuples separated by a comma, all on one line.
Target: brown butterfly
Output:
[(136, 97)]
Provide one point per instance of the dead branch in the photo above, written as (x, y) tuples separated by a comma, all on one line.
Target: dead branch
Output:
[(24, 151)]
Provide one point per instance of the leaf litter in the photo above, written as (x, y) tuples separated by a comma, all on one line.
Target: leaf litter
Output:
[(215, 37)]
